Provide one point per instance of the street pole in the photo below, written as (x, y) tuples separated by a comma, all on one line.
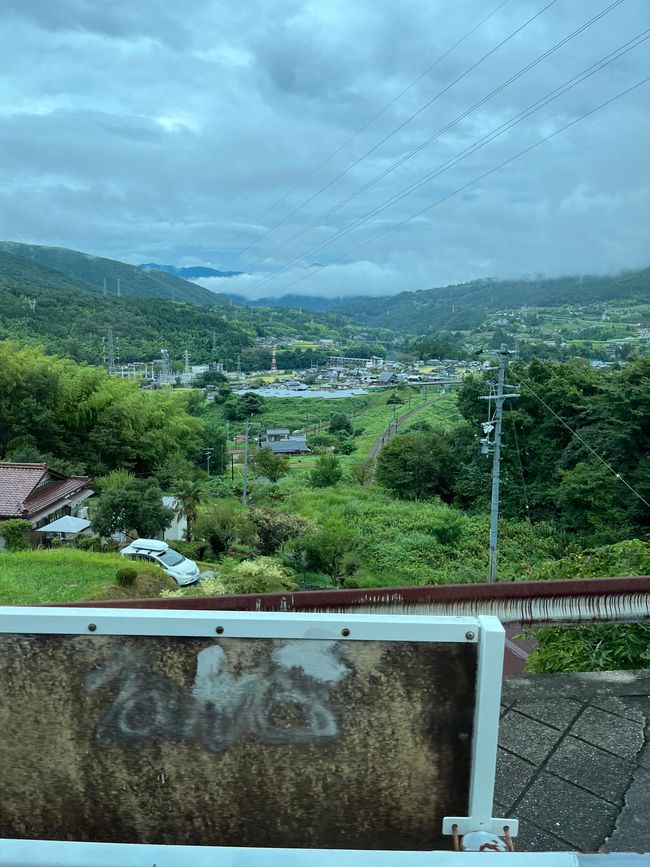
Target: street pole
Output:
[(496, 468), (244, 496), (495, 447), (208, 453)]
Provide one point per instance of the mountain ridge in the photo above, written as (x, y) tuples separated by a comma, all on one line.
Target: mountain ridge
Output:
[(97, 272)]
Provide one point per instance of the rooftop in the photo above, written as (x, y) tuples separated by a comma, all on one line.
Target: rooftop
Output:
[(27, 489)]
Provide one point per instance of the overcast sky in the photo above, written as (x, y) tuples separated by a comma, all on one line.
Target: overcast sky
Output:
[(150, 131)]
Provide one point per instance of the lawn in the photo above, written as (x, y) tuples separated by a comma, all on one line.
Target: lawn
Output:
[(55, 575)]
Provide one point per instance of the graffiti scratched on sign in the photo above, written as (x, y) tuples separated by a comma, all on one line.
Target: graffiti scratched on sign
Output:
[(234, 741), (282, 699)]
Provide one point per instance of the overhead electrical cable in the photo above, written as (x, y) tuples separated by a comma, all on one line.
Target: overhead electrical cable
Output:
[(468, 151), (361, 129), (584, 443), (407, 156), (475, 180), (395, 131)]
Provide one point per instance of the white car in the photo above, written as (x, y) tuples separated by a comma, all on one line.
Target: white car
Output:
[(182, 570)]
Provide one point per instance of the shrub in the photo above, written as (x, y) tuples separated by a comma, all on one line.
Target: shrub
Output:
[(220, 525), (13, 532), (327, 471), (126, 576), (191, 550), (259, 576), (94, 543), (275, 529)]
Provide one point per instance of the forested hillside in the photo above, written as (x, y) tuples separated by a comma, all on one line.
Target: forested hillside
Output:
[(465, 305), (93, 271), (70, 320)]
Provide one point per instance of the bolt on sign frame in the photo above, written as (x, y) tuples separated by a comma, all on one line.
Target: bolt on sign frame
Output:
[(140, 733)]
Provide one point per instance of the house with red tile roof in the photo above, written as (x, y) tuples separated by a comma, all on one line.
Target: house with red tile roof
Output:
[(39, 494)]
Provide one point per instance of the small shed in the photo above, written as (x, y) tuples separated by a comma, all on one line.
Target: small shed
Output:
[(65, 526)]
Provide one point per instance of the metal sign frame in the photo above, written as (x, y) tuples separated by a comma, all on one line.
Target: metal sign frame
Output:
[(485, 631)]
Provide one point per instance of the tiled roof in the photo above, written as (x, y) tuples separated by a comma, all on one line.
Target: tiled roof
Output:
[(20, 495)]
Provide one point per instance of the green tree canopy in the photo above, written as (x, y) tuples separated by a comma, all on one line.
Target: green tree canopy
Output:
[(137, 506), (418, 465)]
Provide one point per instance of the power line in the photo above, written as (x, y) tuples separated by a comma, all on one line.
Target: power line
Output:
[(361, 129), (395, 131), (584, 443), (475, 180), (468, 151)]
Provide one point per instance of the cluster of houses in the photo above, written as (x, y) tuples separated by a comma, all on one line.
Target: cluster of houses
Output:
[(56, 504)]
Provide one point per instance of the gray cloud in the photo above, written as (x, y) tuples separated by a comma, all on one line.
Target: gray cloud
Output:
[(148, 132)]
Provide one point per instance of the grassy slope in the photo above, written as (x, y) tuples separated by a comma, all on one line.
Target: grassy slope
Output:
[(55, 575)]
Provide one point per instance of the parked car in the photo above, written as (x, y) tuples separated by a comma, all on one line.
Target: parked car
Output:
[(182, 570)]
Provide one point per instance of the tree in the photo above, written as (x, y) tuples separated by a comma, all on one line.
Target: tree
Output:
[(270, 465), (363, 471), (242, 407), (327, 471), (136, 506), (190, 496), (340, 423), (330, 550), (418, 465), (209, 377)]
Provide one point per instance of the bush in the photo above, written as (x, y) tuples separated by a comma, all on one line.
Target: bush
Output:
[(13, 532), (258, 576), (147, 585), (275, 529), (327, 471), (221, 525), (94, 543), (126, 577), (603, 647), (191, 550)]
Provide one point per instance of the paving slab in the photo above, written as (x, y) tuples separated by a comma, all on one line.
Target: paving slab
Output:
[(526, 737), (609, 732), (512, 777), (593, 769), (620, 707), (558, 713), (570, 813)]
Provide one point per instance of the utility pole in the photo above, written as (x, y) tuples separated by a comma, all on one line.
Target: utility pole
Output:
[(244, 496), (110, 346), (494, 423), (208, 453)]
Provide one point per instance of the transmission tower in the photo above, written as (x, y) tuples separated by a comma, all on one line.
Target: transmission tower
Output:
[(238, 366), (274, 363), (119, 289), (32, 304)]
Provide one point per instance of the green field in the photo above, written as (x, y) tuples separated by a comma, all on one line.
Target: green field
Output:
[(55, 575)]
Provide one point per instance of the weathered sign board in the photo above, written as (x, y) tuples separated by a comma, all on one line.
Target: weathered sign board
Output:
[(246, 730)]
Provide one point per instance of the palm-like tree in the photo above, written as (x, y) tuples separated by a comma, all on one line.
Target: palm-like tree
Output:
[(189, 496)]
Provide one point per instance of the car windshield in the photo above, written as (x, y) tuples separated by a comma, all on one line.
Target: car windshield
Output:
[(171, 558)]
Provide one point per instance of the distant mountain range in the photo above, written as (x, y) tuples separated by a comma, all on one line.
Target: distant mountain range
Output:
[(465, 305), (102, 275), (194, 272)]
